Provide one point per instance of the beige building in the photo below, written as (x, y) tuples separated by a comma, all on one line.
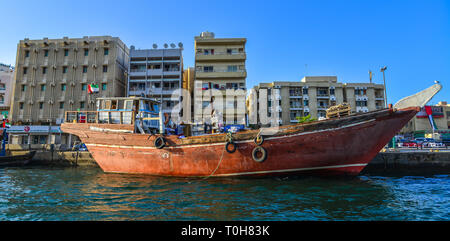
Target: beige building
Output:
[(6, 83), (220, 78), (282, 102), (52, 76)]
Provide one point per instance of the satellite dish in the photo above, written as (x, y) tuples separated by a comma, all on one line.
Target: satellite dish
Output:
[(165, 46), (180, 44), (155, 46), (172, 45)]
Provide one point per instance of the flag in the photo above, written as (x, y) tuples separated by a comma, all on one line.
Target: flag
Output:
[(429, 112), (92, 88)]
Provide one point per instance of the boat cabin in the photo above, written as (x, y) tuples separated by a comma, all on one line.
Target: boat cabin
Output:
[(143, 113)]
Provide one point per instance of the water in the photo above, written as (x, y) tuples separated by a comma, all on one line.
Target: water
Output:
[(89, 194)]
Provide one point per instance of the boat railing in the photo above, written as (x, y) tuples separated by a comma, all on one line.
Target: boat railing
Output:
[(101, 117)]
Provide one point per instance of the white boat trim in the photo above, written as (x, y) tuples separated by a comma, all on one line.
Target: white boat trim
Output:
[(290, 170)]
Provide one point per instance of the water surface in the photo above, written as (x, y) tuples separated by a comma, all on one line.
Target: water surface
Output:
[(54, 194)]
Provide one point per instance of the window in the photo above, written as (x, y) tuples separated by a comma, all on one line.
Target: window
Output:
[(81, 104), (85, 69), (86, 52), (41, 105), (44, 70), (64, 70), (61, 105), (104, 86), (361, 103), (105, 68), (331, 91), (25, 70), (46, 53), (66, 52), (42, 88), (305, 91), (208, 69), (106, 51), (232, 68), (21, 106), (27, 53), (63, 87), (305, 102), (24, 88), (83, 87)]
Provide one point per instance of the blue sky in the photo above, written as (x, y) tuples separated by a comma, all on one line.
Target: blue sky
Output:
[(286, 40)]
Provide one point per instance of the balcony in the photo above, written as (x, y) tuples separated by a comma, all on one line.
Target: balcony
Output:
[(222, 74), (323, 96), (295, 96), (296, 108), (221, 56)]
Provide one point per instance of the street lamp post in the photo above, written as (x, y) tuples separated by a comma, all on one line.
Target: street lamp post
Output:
[(384, 81)]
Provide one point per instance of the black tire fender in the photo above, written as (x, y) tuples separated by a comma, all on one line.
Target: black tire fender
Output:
[(228, 149), (159, 142), (259, 149), (260, 142)]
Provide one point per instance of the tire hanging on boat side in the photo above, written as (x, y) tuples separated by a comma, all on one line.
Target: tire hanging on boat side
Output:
[(159, 142), (259, 149), (259, 140), (232, 150)]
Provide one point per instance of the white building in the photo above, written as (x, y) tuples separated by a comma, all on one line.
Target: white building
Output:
[(157, 74)]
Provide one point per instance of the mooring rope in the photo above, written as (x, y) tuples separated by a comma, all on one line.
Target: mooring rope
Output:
[(218, 164)]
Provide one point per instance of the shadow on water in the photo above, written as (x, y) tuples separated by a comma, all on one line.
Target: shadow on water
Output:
[(89, 194)]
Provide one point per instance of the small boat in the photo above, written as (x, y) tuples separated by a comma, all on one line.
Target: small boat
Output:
[(120, 136), (16, 160)]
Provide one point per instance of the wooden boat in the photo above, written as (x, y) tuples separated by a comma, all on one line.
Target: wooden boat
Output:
[(335, 146), (16, 160)]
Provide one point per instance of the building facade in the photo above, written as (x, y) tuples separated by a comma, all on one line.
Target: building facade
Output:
[(52, 76), (220, 79), (157, 74), (420, 125), (6, 85), (280, 103)]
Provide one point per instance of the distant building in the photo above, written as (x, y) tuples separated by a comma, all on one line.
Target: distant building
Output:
[(280, 103), (220, 78), (420, 125), (157, 74), (6, 85), (53, 76)]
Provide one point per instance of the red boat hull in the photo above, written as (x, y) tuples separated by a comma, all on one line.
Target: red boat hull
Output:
[(343, 150)]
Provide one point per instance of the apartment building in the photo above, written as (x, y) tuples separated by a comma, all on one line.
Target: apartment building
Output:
[(220, 78), (52, 76), (6, 85), (280, 103), (157, 74)]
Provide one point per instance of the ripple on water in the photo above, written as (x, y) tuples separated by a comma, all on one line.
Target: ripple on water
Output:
[(89, 194)]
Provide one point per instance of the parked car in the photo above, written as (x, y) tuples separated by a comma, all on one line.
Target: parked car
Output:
[(446, 142), (433, 144), (411, 144), (420, 140)]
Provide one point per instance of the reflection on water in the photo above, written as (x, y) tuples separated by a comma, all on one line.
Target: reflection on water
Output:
[(89, 194)]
